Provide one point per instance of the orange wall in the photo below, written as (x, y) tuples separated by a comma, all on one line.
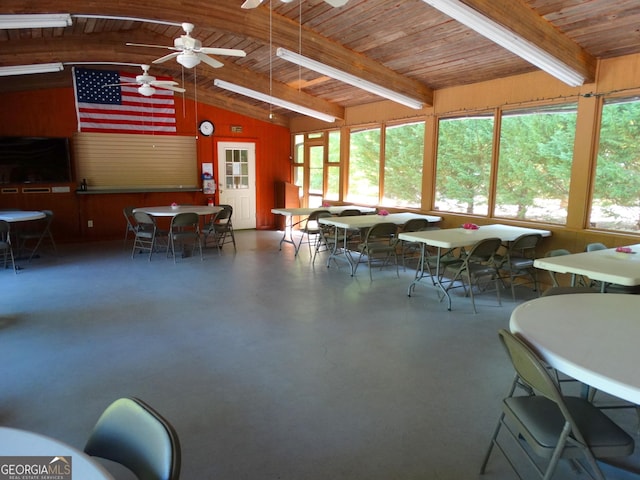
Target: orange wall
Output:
[(52, 113)]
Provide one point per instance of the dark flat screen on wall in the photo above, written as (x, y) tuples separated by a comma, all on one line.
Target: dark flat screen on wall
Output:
[(34, 160)]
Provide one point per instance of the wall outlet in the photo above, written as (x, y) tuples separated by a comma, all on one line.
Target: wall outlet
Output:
[(90, 223)]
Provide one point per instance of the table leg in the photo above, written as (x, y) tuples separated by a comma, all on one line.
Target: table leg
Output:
[(288, 228), (345, 251)]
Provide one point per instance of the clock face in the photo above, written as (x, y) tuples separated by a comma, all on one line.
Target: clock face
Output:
[(206, 127)]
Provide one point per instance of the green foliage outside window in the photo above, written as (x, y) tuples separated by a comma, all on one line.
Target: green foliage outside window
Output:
[(464, 164), (364, 166), (403, 160), (534, 164), (616, 194)]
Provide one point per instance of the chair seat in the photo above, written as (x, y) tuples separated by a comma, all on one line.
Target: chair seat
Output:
[(542, 422)]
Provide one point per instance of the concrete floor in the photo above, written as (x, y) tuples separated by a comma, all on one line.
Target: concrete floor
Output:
[(269, 367)]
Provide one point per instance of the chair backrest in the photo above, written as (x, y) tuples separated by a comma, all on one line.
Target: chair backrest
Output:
[(228, 209), (316, 214), (526, 242), (557, 252), (350, 212), (485, 249), (529, 367), (128, 214), (185, 219), (384, 231), (133, 434), (144, 219), (592, 247), (415, 225)]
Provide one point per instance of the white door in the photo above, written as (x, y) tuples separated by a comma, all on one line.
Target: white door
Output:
[(237, 181)]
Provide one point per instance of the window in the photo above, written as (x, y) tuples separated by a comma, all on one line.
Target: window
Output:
[(403, 160), (534, 163), (615, 203), (364, 166), (298, 162), (332, 186), (464, 164)]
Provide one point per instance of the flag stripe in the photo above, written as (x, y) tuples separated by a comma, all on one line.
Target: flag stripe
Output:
[(121, 109)]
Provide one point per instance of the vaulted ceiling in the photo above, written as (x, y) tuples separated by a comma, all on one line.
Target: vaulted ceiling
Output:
[(405, 45)]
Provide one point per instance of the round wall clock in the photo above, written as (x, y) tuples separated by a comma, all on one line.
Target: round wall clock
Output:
[(206, 127)]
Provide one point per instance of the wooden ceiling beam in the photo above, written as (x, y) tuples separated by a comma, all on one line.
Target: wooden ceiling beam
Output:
[(521, 19)]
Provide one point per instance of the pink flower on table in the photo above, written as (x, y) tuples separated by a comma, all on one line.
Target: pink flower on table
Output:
[(470, 226), (383, 212), (325, 204), (624, 250)]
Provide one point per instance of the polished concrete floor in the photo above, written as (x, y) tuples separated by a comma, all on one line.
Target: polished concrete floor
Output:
[(269, 367)]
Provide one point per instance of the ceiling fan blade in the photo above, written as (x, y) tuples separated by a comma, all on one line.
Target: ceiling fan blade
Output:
[(251, 3), (163, 83), (337, 3), (120, 84), (166, 57), (230, 52), (150, 46), (172, 88), (212, 62)]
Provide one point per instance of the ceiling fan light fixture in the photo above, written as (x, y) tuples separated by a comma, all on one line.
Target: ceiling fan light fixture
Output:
[(36, 20), (263, 97), (28, 69), (146, 90), (188, 59), (513, 42), (345, 77)]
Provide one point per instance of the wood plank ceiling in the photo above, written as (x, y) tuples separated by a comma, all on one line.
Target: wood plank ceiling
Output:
[(405, 45)]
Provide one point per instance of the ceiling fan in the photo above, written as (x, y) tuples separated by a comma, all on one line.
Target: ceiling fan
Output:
[(255, 3), (189, 51), (148, 83)]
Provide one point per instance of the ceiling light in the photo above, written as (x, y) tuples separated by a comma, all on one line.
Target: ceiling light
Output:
[(509, 40), (26, 69), (37, 20), (348, 78), (146, 90), (273, 100), (188, 59)]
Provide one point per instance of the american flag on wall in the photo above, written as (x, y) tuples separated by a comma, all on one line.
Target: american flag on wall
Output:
[(121, 109)]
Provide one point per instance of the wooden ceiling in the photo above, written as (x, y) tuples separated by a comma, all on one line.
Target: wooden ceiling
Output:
[(404, 45)]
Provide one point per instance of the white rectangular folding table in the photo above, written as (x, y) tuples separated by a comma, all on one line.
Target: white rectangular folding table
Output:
[(451, 238), (289, 213), (363, 222), (606, 266)]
